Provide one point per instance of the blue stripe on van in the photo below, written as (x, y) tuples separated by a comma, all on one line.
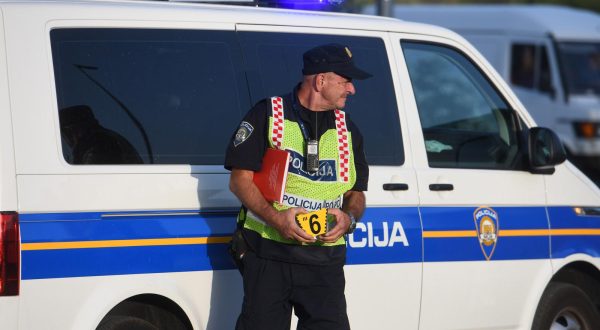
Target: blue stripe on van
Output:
[(564, 218), (128, 260), (62, 244), (459, 219), (79, 228), (60, 227), (386, 235)]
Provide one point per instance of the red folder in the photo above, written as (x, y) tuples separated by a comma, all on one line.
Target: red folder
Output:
[(271, 178)]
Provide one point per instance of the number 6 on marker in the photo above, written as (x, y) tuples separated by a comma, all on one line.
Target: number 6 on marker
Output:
[(313, 223)]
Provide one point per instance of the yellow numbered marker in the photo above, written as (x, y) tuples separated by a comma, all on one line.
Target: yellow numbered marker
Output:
[(313, 223)]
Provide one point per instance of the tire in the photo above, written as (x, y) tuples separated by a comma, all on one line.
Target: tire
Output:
[(119, 322), (564, 306)]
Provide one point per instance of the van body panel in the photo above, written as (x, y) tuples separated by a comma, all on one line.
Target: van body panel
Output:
[(9, 312), (111, 192), (452, 314), (9, 306), (218, 293), (8, 186), (567, 178), (383, 296)]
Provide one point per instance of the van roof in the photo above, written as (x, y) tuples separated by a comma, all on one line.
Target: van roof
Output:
[(202, 12), (563, 23)]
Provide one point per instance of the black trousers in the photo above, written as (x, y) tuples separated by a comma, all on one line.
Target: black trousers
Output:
[(272, 288)]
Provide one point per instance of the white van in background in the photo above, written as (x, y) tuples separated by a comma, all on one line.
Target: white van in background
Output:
[(550, 56)]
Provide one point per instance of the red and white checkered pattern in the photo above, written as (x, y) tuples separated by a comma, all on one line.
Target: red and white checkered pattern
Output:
[(277, 134), (343, 148)]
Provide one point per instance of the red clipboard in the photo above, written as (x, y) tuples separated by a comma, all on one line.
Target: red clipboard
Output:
[(272, 177)]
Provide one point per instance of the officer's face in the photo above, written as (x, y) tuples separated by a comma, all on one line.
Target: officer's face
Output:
[(336, 89)]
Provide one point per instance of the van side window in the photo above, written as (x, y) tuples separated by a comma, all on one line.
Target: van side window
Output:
[(530, 67), (147, 96), (545, 84), (522, 68), (274, 63), (465, 121)]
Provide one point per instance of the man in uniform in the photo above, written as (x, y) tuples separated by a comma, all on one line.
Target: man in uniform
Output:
[(285, 266)]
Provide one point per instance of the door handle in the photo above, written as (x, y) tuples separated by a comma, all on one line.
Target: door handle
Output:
[(441, 187), (395, 186)]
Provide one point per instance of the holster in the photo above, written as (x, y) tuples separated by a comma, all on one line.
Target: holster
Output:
[(238, 246)]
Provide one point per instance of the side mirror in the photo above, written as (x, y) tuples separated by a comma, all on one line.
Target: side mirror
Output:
[(545, 150)]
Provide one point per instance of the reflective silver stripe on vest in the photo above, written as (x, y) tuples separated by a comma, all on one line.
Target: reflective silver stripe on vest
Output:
[(311, 204), (255, 217), (306, 203)]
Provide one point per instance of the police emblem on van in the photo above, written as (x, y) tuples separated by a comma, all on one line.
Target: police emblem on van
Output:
[(486, 223)]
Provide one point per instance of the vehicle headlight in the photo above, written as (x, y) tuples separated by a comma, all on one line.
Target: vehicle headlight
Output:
[(586, 129)]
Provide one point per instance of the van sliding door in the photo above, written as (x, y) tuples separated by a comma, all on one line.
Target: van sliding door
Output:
[(134, 184)]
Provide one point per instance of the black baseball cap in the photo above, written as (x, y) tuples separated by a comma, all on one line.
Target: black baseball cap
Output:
[(332, 58)]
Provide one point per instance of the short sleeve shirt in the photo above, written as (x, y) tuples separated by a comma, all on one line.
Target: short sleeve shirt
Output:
[(248, 144)]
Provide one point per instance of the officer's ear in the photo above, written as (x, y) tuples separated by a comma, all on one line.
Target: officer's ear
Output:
[(319, 81)]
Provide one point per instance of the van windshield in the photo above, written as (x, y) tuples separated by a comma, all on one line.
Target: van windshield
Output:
[(581, 66)]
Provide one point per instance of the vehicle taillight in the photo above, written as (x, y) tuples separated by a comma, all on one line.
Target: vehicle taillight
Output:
[(9, 254)]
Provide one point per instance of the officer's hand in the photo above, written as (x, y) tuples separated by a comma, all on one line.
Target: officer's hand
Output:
[(286, 226), (341, 227)]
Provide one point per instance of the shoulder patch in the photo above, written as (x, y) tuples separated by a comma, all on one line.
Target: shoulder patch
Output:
[(243, 133)]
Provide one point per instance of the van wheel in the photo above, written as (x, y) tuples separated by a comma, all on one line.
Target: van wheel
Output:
[(565, 306), (120, 322)]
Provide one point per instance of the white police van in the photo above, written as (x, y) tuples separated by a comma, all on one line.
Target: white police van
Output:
[(550, 55), (116, 213)]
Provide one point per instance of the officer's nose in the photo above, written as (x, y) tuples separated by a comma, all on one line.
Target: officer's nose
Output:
[(350, 88)]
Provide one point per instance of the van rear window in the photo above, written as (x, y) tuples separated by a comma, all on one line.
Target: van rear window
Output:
[(145, 96)]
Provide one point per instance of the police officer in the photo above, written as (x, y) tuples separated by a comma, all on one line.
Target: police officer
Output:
[(285, 266)]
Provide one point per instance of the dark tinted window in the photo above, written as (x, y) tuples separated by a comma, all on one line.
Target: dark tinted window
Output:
[(465, 121), (522, 69), (275, 67), (530, 67), (580, 63), (147, 96), (545, 84)]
